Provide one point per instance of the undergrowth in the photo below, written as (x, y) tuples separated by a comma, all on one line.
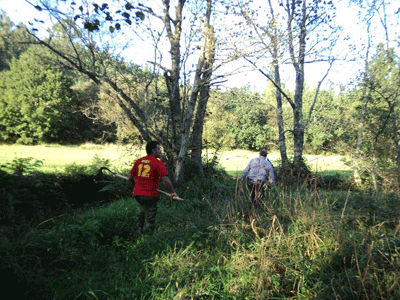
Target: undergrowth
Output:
[(301, 243)]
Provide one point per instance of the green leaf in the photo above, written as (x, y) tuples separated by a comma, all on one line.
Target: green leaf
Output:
[(108, 17), (92, 26), (140, 15)]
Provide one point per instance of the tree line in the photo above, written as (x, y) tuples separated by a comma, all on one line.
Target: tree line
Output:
[(72, 84), (45, 103)]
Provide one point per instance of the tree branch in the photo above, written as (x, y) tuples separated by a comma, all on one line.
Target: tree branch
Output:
[(317, 92), (273, 82)]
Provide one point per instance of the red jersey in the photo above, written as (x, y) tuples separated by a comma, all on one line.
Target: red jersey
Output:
[(148, 171)]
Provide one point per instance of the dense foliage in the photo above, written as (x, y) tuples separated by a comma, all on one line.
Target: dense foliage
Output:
[(11, 38), (238, 119), (35, 102)]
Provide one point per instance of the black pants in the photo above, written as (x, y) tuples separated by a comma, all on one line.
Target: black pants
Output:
[(257, 192), (147, 213)]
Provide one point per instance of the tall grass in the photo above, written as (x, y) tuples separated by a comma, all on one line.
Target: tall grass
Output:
[(301, 243)]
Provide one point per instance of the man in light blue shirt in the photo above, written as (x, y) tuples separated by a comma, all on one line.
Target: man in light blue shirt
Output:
[(258, 173)]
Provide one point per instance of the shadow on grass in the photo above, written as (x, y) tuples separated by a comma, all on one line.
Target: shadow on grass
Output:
[(302, 244)]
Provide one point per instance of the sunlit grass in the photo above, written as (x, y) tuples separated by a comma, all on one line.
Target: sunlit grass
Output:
[(56, 157), (234, 162)]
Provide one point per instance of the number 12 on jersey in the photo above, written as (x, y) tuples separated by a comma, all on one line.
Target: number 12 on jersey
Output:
[(144, 170)]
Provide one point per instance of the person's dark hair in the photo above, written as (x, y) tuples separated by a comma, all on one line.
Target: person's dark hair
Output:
[(150, 146), (263, 153)]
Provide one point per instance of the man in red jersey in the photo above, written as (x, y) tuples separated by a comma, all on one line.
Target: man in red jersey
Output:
[(146, 174)]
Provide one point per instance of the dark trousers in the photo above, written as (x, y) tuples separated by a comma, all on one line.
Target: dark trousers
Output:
[(257, 192), (147, 213)]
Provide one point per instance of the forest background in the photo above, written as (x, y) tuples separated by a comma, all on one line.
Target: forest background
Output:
[(74, 81)]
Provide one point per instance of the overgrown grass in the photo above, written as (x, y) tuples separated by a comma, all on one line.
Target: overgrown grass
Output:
[(301, 243)]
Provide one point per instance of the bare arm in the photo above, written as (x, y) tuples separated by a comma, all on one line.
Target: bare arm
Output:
[(168, 184)]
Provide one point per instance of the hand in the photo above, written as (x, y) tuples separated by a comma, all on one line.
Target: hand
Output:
[(174, 196)]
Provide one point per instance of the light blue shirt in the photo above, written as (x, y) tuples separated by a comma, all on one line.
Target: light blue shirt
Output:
[(259, 169)]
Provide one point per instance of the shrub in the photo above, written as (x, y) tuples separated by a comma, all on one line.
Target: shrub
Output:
[(22, 166)]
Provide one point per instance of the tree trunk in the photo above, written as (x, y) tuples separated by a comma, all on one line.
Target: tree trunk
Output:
[(356, 161), (172, 77), (191, 128), (298, 63), (279, 116), (396, 141), (198, 127), (279, 111), (298, 132), (204, 95), (391, 84)]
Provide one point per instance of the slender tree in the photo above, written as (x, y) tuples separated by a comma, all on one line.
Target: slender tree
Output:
[(378, 83), (393, 81), (187, 126), (302, 29)]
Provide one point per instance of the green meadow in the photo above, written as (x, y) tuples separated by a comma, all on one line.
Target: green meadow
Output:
[(55, 157), (303, 242)]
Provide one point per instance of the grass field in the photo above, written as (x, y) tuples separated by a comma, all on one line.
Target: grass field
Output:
[(56, 158), (236, 160)]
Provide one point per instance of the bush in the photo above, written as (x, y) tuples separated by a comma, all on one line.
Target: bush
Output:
[(21, 166), (288, 174), (29, 195)]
